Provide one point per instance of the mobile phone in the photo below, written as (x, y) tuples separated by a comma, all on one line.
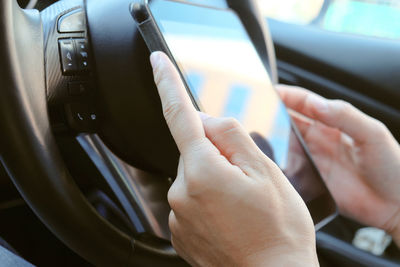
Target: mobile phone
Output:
[(225, 77)]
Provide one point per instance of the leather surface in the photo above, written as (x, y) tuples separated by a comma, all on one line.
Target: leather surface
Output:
[(133, 126)]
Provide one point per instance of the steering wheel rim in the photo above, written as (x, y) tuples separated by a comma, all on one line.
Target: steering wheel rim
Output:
[(43, 180)]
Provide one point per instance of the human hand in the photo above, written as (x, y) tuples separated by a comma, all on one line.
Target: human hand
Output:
[(231, 205), (357, 156)]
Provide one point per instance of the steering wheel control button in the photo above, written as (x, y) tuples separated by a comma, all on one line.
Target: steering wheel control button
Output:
[(78, 88), (72, 22), (81, 117), (68, 58), (74, 55), (82, 53)]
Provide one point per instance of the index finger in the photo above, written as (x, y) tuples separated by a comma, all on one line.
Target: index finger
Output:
[(181, 116)]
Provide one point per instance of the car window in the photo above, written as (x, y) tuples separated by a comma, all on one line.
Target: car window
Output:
[(295, 11), (378, 18)]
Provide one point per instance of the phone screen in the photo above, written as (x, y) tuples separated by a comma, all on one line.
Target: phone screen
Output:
[(227, 78)]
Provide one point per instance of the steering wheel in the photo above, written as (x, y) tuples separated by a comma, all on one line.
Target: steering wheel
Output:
[(80, 65)]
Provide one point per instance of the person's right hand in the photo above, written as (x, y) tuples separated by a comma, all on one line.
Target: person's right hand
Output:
[(231, 205), (358, 157)]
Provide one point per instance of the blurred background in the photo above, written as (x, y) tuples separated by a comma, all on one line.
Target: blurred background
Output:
[(377, 18)]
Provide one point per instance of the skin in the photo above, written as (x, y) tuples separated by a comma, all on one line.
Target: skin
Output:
[(231, 205), (357, 155)]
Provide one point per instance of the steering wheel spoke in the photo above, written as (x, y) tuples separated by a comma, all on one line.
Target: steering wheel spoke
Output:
[(142, 195)]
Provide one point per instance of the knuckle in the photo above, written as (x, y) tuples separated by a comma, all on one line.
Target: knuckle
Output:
[(220, 127), (175, 198), (380, 128), (341, 110), (230, 124), (343, 107)]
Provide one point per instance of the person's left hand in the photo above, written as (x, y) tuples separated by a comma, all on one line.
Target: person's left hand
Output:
[(358, 157), (231, 205)]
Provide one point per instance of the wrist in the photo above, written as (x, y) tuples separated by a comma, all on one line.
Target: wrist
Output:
[(293, 260), (287, 257)]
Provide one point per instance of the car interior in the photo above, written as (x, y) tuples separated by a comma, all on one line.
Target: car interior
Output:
[(86, 156)]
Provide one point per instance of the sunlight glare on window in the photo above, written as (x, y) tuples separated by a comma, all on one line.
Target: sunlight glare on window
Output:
[(295, 11)]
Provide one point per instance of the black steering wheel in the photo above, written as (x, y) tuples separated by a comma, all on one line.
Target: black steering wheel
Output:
[(81, 65)]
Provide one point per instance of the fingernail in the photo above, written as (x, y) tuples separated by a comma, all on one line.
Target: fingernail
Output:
[(319, 103), (155, 59)]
